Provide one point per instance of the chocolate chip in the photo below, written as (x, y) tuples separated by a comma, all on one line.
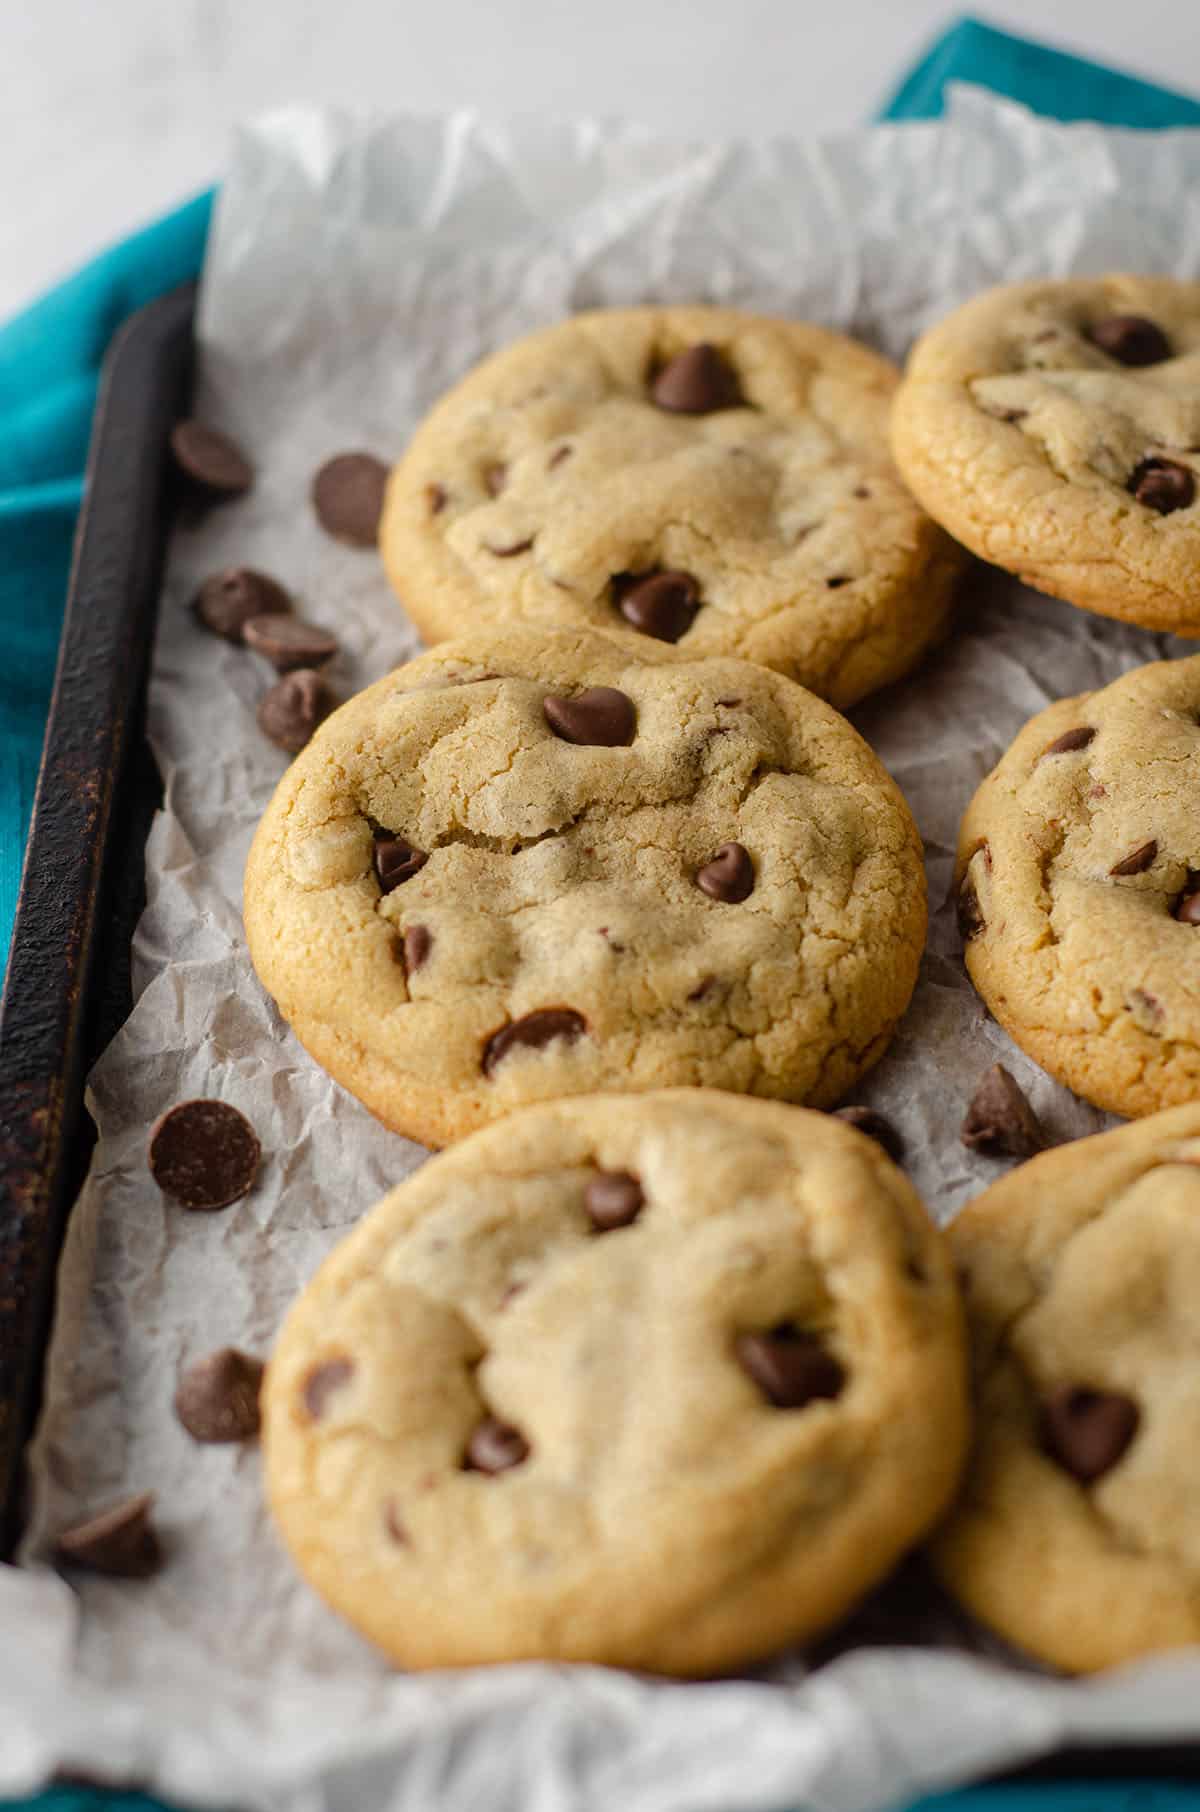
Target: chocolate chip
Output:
[(396, 861), (970, 915), (1138, 861), (613, 1199), (1069, 741), (494, 478), (696, 382), (728, 875), (395, 1528), (791, 1367), (513, 547), (495, 1447), (534, 1031), (1188, 909), (837, 580), (217, 1397), (204, 1154), (876, 1127), (418, 942), (1130, 339), (214, 463), (324, 1382), (290, 711), (660, 604), (288, 642), (347, 494), (1000, 1122), (558, 455), (1087, 1430), (226, 602), (599, 717), (435, 497), (1163, 485), (121, 1542)]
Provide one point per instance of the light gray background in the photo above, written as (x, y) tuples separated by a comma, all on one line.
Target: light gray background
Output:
[(111, 112)]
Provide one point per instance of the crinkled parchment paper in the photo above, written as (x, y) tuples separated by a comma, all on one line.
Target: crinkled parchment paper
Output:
[(354, 272)]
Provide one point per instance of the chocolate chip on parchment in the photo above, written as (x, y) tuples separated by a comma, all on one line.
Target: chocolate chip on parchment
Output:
[(1087, 1430), (213, 463), (659, 604), (1069, 741), (323, 1382), (1000, 1122), (968, 910), (120, 1542), (1130, 339), (1138, 860), (790, 1366), (696, 382), (728, 875), (613, 1199), (217, 1396), (598, 717), (347, 494), (396, 861), (226, 602), (495, 1446), (1163, 485), (876, 1127), (288, 642), (291, 710), (533, 1032), (204, 1154), (418, 942)]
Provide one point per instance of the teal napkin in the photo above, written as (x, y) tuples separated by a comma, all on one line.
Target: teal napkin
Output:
[(50, 360)]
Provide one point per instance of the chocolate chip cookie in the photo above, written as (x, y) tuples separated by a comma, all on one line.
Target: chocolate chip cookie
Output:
[(663, 1383), (547, 862), (1076, 1535), (1054, 428), (695, 476), (1079, 889)]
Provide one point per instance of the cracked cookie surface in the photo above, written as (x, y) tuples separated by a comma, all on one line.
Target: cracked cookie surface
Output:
[(1054, 429), (545, 862), (1079, 889), (663, 1383), (740, 462), (1075, 1535)]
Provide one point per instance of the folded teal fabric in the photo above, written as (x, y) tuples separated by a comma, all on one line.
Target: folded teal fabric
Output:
[(50, 360)]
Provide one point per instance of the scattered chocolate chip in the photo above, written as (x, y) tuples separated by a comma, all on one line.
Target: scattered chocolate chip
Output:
[(495, 1447), (217, 1397), (204, 1154), (1130, 339), (1087, 1430), (534, 1031), (659, 604), (1069, 741), (396, 861), (1000, 1122), (728, 875), (1163, 485), (696, 382), (435, 497), (514, 547), (418, 942), (395, 1528), (558, 455), (613, 1199), (290, 711), (1138, 861), (791, 1367), (347, 494), (288, 642), (876, 1127), (970, 915), (838, 579), (599, 717), (494, 478), (213, 462), (226, 602), (120, 1542), (323, 1382)]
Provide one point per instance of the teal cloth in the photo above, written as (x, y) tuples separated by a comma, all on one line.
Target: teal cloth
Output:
[(49, 366)]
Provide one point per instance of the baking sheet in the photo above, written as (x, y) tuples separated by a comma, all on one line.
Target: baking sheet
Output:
[(355, 270)]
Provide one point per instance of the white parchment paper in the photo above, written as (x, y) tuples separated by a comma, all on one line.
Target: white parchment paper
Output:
[(354, 272)]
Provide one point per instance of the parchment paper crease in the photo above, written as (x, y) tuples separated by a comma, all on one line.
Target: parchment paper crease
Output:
[(355, 271)]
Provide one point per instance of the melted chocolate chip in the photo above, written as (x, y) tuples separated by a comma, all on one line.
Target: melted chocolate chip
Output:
[(435, 497), (1000, 1122), (323, 1382), (1069, 741), (290, 711), (495, 1446), (217, 1397), (728, 875), (396, 861), (659, 604), (1137, 861), (838, 580), (876, 1127), (1163, 485), (534, 1032), (215, 465), (226, 602), (347, 495), (970, 914), (121, 1542), (418, 942), (558, 455), (1086, 1430), (696, 382), (613, 1199), (1130, 339), (792, 1368), (204, 1154), (600, 717)]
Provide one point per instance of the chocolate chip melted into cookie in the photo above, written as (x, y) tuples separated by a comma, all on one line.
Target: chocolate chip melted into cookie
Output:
[(791, 1366), (696, 382), (1163, 485), (599, 716), (1130, 339), (1086, 1430), (728, 875), (534, 1032), (396, 861), (494, 1447), (613, 1199), (660, 604)]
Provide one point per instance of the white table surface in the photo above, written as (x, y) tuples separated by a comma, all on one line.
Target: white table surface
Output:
[(110, 113)]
